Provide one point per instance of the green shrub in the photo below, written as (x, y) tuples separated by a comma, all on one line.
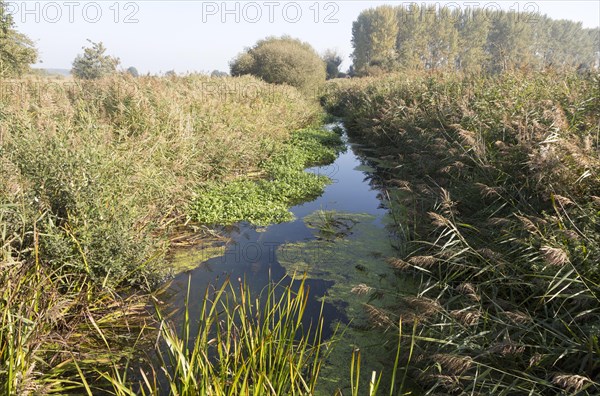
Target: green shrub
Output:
[(282, 61)]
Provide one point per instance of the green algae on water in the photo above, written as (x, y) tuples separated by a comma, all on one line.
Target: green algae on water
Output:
[(285, 183), (188, 259), (350, 250), (331, 225)]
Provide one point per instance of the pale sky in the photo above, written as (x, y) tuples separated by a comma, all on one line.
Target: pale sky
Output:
[(158, 35)]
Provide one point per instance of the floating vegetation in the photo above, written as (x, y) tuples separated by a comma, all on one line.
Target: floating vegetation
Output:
[(187, 259), (350, 250), (352, 253), (344, 240), (332, 225), (285, 183)]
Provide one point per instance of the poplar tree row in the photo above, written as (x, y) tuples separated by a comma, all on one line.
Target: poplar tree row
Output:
[(474, 40)]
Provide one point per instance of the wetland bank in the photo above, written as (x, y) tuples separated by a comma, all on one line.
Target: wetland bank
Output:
[(363, 263), (428, 226), (89, 233)]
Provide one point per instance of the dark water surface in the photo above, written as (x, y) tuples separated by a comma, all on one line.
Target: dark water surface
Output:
[(251, 254)]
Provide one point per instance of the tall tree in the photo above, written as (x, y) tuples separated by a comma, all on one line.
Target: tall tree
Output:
[(17, 51), (384, 31), (374, 37), (361, 41), (443, 38), (594, 35), (576, 46), (473, 29), (510, 42), (411, 42), (94, 63), (472, 40)]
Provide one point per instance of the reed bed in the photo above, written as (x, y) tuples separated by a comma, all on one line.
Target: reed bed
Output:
[(51, 318), (117, 163), (96, 179), (493, 184)]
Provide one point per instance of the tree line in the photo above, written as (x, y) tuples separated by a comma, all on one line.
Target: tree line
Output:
[(422, 37), (386, 38)]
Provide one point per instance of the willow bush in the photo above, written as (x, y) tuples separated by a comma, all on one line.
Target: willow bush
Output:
[(282, 61)]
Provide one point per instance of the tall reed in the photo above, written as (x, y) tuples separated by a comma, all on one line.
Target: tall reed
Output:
[(499, 178), (243, 345), (50, 318)]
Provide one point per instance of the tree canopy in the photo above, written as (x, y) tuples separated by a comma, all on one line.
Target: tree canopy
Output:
[(17, 51), (133, 71), (218, 73), (94, 63), (282, 61), (473, 40), (332, 60)]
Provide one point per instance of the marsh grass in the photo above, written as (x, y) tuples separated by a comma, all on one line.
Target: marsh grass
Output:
[(97, 179), (243, 344), (116, 163), (496, 202), (498, 179), (50, 319)]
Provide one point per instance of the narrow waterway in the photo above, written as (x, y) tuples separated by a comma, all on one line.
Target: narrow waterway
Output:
[(334, 264), (251, 252)]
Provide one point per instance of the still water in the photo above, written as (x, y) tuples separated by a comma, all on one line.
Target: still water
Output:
[(260, 255), (251, 254)]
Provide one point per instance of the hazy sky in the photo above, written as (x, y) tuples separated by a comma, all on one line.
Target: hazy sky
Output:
[(157, 36)]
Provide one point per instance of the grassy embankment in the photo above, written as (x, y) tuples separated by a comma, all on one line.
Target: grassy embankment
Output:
[(494, 185), (99, 179)]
